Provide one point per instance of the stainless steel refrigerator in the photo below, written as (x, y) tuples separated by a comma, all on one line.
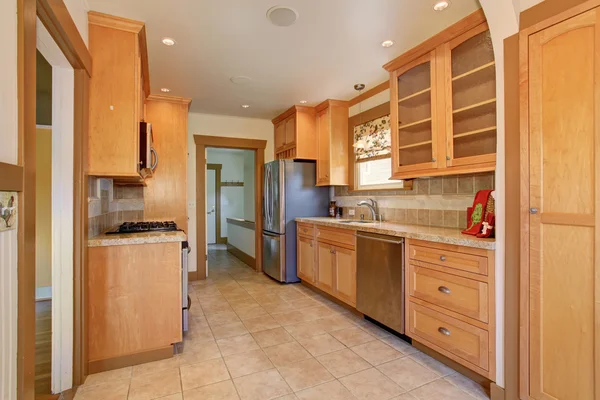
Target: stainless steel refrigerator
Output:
[(289, 193)]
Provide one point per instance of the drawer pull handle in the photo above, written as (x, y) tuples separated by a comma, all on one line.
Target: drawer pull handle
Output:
[(444, 289), (442, 258), (305, 230), (444, 331)]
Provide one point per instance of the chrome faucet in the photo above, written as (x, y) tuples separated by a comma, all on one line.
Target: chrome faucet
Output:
[(371, 206)]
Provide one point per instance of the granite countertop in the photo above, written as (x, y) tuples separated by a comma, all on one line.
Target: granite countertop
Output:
[(429, 233), (136, 238)]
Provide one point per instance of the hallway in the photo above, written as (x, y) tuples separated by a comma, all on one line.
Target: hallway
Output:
[(252, 338)]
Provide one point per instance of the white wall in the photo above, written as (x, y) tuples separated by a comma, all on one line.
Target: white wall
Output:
[(242, 238), (78, 10), (218, 125), (249, 200), (8, 239)]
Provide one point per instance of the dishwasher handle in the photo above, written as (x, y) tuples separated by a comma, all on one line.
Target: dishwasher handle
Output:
[(399, 241)]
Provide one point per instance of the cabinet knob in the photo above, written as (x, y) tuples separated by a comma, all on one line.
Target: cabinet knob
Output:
[(310, 244), (448, 158), (533, 211), (444, 331), (433, 160), (442, 258), (444, 289), (305, 230)]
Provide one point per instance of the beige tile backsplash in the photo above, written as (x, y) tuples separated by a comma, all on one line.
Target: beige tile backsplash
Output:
[(114, 205), (440, 201)]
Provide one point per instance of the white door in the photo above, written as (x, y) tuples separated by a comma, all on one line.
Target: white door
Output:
[(211, 203)]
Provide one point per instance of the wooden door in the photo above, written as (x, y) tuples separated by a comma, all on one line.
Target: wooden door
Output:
[(306, 259), (414, 118), (290, 130), (323, 148), (325, 271), (345, 274), (470, 101), (563, 71), (279, 135)]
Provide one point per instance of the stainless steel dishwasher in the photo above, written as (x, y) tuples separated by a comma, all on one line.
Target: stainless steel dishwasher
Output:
[(380, 279)]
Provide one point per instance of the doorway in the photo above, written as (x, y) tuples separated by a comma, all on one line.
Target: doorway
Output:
[(213, 204), (257, 148)]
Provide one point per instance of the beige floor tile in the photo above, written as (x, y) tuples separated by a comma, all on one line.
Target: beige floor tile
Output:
[(247, 363), (227, 317), (204, 373), (352, 336), (261, 323), (305, 374), (278, 307), (303, 302), (408, 373), (305, 329), (328, 391), (265, 385), (114, 390), (108, 376), (318, 312), (335, 323), (374, 329), (440, 389), (400, 345), (250, 311), (321, 344), (195, 334), (405, 396), (437, 367), (376, 352), (266, 298), (371, 385), (229, 330), (155, 385), (217, 391), (288, 397), (291, 317), (272, 337), (216, 308), (155, 366), (237, 344), (287, 353), (203, 351), (469, 386), (343, 362)]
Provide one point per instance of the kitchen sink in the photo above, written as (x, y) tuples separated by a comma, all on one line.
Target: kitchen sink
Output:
[(356, 222)]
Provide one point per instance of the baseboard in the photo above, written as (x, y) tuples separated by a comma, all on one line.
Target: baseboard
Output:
[(130, 359), (248, 259), (43, 293), (496, 392)]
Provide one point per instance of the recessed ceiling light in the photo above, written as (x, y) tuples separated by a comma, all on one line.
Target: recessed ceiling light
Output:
[(387, 43), (282, 16), (245, 105), (168, 41), (166, 90), (303, 101), (441, 5)]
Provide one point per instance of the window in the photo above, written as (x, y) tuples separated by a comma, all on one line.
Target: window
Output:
[(372, 149)]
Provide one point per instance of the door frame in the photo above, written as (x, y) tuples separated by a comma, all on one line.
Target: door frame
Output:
[(56, 18), (258, 146), (217, 168)]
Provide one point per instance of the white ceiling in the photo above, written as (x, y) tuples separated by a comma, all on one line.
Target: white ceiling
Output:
[(333, 45)]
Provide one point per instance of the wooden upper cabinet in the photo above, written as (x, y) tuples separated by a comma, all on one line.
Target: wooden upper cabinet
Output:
[(443, 96), (295, 134), (118, 88), (332, 143)]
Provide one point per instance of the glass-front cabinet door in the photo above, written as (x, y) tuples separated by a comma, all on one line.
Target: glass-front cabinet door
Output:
[(413, 118), (470, 99)]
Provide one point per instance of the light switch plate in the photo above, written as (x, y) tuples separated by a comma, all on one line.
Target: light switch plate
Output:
[(351, 212)]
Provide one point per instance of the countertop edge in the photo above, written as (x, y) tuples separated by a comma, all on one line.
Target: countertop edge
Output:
[(104, 240), (464, 240)]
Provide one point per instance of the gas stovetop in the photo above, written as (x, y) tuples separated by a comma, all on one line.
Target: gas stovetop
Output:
[(143, 227)]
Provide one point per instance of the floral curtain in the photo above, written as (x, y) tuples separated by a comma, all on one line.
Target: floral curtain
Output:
[(373, 139)]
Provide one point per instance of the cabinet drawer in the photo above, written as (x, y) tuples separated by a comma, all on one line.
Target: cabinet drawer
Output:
[(451, 259), (462, 295), (467, 343), (306, 230), (339, 236)]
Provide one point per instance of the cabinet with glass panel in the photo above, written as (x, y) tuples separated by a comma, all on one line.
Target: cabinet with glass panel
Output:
[(443, 106)]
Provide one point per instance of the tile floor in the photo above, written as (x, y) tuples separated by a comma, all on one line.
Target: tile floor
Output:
[(251, 338)]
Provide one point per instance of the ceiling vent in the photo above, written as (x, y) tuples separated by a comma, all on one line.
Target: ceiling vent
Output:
[(282, 16)]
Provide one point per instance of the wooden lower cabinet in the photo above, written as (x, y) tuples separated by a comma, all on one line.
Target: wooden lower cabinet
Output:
[(306, 259), (325, 268), (345, 274)]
